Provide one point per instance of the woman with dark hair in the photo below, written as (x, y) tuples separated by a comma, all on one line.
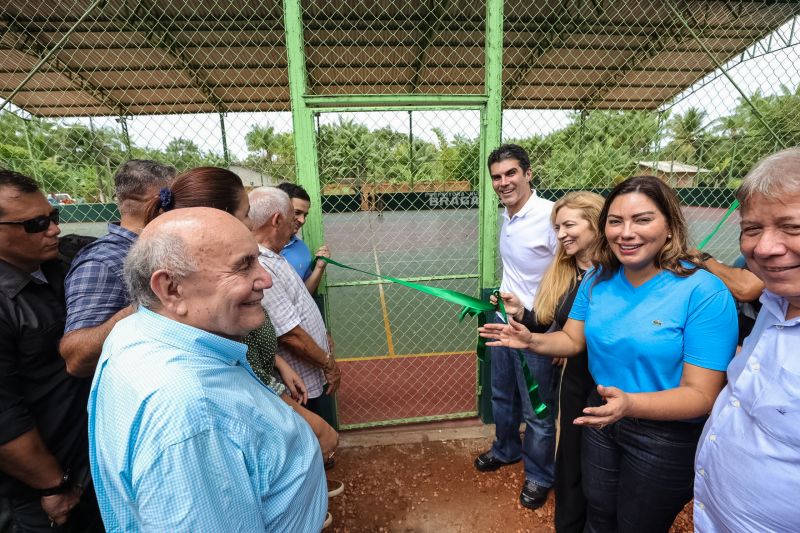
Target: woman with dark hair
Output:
[(660, 332), (222, 189), (202, 187)]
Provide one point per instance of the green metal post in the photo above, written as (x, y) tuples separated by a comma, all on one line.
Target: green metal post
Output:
[(34, 156), (305, 151), (491, 127), (225, 152), (123, 121), (305, 145), (411, 165)]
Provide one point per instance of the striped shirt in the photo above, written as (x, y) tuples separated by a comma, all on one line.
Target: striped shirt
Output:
[(95, 289), (289, 304), (184, 437)]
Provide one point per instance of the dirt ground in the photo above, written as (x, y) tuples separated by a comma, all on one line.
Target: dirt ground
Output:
[(433, 487)]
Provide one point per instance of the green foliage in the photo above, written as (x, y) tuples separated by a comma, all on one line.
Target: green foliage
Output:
[(596, 149)]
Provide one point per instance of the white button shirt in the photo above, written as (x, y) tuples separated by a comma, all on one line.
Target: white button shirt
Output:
[(747, 470), (527, 247)]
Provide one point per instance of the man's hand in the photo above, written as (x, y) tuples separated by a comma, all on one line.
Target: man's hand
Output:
[(58, 506), (322, 252), (328, 440), (511, 303), (294, 383), (332, 375)]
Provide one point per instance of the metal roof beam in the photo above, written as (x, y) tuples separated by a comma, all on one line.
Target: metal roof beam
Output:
[(28, 44), (160, 37)]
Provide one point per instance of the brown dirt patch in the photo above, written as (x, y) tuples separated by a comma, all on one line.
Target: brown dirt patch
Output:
[(433, 487)]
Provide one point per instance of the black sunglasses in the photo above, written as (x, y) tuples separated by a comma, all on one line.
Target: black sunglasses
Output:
[(36, 224)]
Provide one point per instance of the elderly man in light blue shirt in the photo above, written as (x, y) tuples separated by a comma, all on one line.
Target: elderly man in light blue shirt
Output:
[(747, 475), (182, 435)]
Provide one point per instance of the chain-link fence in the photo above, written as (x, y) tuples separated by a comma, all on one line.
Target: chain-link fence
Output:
[(395, 94)]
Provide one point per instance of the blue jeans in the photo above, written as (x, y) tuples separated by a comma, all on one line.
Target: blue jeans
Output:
[(637, 474), (510, 405)]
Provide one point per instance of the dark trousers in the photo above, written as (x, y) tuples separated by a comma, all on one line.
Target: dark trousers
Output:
[(576, 386), (637, 474), (324, 405), (23, 515)]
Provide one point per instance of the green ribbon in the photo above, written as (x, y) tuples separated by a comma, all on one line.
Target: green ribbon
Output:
[(538, 405), (472, 307), (730, 210)]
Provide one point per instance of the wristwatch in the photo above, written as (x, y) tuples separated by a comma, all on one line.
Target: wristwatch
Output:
[(61, 488)]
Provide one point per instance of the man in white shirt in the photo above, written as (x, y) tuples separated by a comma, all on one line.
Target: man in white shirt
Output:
[(527, 246), (747, 469)]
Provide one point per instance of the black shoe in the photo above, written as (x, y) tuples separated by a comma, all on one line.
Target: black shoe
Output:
[(486, 462), (533, 496)]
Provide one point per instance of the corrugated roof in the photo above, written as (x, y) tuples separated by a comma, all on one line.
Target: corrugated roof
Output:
[(150, 57)]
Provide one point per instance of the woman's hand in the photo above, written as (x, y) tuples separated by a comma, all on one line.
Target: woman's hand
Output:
[(511, 303), (511, 335), (294, 383), (618, 404)]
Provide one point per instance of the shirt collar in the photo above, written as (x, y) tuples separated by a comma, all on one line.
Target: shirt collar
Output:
[(13, 280), (527, 208), (777, 306), (293, 240), (190, 339), (268, 252), (119, 231)]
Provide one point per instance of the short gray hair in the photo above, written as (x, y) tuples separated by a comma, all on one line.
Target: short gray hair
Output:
[(772, 177), (265, 202), (162, 251), (137, 176)]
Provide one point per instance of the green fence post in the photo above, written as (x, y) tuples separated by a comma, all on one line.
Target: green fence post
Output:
[(305, 152), (491, 127)]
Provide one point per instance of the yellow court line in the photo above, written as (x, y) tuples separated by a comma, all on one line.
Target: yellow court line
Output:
[(386, 325), (399, 356)]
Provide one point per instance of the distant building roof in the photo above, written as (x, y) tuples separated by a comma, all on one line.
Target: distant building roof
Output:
[(670, 167)]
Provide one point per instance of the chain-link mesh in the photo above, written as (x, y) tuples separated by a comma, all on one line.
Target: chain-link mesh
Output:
[(692, 91), (171, 82), (394, 47), (632, 88), (399, 201)]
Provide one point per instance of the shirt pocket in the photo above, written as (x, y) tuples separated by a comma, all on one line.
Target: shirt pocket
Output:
[(777, 410)]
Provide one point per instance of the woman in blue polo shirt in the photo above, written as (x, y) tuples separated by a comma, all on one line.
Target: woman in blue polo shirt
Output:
[(660, 333)]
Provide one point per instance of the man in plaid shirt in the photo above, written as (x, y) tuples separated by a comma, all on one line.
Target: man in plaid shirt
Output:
[(94, 289), (302, 336)]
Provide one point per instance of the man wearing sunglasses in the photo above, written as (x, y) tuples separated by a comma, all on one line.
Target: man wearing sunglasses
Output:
[(95, 290), (43, 422)]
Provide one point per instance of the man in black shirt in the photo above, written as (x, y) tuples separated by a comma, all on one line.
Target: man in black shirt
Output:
[(43, 422)]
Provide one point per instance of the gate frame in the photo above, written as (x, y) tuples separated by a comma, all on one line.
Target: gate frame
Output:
[(304, 106)]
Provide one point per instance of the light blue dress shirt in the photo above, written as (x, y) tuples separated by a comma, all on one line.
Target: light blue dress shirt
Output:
[(184, 437), (747, 469)]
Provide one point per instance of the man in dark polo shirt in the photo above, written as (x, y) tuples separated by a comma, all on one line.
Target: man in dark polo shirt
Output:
[(44, 478), (95, 291)]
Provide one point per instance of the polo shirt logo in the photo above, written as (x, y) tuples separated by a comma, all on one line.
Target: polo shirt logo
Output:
[(656, 322)]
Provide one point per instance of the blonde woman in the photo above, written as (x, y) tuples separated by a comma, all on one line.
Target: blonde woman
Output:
[(574, 218)]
